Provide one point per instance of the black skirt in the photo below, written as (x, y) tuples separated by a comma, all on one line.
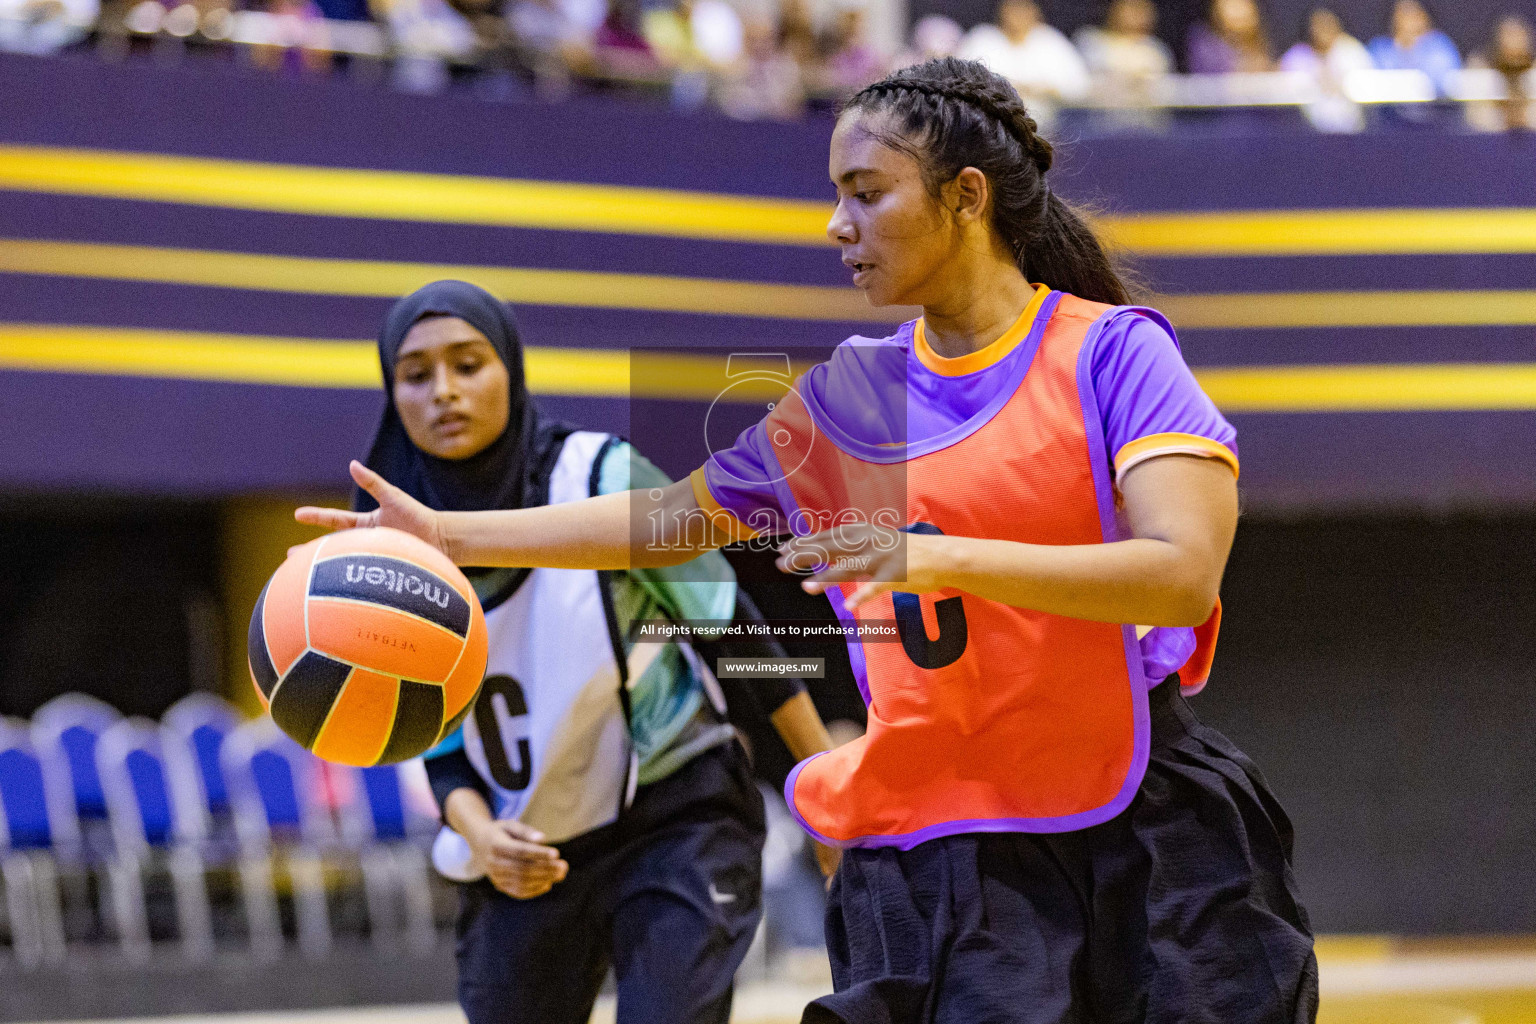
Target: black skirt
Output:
[(1181, 910), (669, 896)]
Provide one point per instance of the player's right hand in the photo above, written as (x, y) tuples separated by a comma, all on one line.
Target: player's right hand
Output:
[(396, 509), (516, 860)]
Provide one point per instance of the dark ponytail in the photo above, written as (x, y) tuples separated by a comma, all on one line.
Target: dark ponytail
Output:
[(950, 114)]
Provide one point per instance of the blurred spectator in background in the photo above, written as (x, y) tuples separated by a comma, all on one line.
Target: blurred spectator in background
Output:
[(428, 35), (1040, 62), (1326, 51), (493, 36), (620, 29), (694, 40), (1416, 44), (297, 29), (1231, 41), (768, 84), (932, 37), (549, 42), (1327, 54), (1124, 53), (1512, 55), (1127, 61), (45, 26), (111, 27), (552, 41), (586, 14), (852, 62), (545, 29), (798, 38)]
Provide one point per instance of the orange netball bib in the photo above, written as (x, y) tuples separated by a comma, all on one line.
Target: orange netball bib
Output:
[(984, 717)]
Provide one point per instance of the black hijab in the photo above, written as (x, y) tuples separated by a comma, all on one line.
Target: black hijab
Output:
[(513, 471)]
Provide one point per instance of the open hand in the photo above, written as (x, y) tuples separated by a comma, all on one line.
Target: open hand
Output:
[(516, 860), (877, 558), (396, 509)]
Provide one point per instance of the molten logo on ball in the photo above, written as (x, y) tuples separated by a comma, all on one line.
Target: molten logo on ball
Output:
[(397, 582), (380, 579)]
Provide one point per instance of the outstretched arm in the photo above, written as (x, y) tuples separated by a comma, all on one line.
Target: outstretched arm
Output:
[(633, 529)]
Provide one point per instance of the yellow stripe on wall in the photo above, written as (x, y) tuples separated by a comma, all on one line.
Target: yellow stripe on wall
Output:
[(567, 206), (320, 363), (613, 373), (1325, 232), (188, 355), (1429, 387), (380, 279), (403, 195), (662, 293)]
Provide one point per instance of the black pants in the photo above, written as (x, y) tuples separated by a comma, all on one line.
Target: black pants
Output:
[(1181, 910), (669, 895)]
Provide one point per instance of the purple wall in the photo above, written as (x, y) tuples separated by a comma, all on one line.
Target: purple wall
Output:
[(142, 435)]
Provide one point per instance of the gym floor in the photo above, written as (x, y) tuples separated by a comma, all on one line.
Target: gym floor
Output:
[(1366, 980)]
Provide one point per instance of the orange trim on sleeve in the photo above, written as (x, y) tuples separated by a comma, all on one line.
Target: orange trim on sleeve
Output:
[(955, 366), (720, 516), (1153, 445)]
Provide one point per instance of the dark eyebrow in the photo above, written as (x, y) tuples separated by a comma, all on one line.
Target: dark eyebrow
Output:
[(849, 175), (453, 348)]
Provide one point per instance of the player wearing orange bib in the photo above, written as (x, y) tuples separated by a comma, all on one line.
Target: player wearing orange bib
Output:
[(1037, 829)]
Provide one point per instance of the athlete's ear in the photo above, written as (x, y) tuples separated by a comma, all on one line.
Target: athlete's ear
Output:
[(966, 196)]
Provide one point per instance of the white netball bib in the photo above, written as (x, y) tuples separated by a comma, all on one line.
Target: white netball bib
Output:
[(550, 733)]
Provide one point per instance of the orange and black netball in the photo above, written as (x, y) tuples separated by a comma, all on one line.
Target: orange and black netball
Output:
[(367, 646)]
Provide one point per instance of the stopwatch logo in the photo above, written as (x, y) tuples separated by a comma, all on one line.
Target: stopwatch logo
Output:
[(760, 379)]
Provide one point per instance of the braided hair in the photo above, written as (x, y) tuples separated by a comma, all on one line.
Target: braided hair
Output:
[(950, 114)]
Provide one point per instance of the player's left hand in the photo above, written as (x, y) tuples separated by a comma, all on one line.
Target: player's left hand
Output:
[(877, 558)]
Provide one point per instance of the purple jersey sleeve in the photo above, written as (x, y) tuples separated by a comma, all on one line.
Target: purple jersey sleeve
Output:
[(1151, 405), (1149, 400), (740, 481)]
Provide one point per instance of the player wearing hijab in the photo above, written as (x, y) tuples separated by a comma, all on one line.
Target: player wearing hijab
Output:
[(601, 811), (1036, 827)]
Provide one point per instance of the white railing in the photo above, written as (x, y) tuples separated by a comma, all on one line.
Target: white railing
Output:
[(1296, 89), (259, 28)]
